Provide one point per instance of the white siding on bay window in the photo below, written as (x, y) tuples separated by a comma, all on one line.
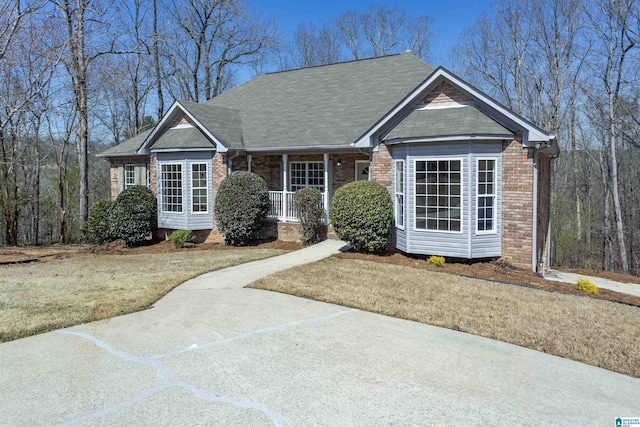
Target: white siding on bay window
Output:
[(187, 219), (466, 243)]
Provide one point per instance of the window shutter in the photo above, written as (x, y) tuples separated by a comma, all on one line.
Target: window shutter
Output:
[(120, 179), (141, 174)]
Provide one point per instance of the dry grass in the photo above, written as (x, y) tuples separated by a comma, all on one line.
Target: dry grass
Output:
[(588, 330), (82, 287)]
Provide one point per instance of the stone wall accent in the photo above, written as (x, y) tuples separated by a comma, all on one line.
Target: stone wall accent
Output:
[(114, 176), (445, 92), (517, 203), (381, 166)]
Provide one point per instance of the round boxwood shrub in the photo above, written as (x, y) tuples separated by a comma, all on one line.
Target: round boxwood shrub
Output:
[(362, 214), (98, 222), (134, 215), (241, 205), (307, 202)]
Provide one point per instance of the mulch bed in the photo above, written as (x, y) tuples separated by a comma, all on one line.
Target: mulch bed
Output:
[(33, 254), (495, 271)]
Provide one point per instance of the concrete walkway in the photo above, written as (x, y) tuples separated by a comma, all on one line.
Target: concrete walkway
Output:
[(625, 288), (213, 353)]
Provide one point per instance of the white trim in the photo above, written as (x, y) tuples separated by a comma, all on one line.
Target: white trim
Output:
[(531, 133), (181, 150), (306, 184), (182, 126), (461, 138), (404, 193), (125, 185), (356, 171), (415, 193), (206, 187), (164, 124), (182, 186), (445, 105), (495, 196)]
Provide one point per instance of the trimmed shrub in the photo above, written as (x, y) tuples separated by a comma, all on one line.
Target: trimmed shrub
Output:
[(134, 215), (307, 202), (241, 205), (98, 222), (437, 261), (585, 285), (180, 237), (362, 214)]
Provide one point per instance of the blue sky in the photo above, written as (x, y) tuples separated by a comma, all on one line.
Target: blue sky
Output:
[(451, 17)]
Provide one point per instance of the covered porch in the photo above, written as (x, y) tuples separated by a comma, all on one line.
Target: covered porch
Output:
[(285, 173)]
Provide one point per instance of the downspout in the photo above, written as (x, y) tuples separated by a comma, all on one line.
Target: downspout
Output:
[(552, 156), (230, 160), (549, 149), (534, 243)]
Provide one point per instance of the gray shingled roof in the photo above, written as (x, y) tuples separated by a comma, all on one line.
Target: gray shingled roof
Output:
[(128, 147), (190, 137), (317, 106), (325, 105), (223, 123), (458, 121)]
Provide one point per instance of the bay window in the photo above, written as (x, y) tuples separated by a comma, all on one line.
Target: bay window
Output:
[(438, 195)]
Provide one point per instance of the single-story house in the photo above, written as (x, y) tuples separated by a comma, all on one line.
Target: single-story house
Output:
[(469, 178)]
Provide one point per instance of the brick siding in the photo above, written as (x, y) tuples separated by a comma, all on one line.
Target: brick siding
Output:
[(517, 203), (445, 92), (381, 166), (114, 164)]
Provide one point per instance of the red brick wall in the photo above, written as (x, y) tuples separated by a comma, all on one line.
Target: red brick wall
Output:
[(445, 92), (114, 164), (270, 169), (381, 166), (517, 203)]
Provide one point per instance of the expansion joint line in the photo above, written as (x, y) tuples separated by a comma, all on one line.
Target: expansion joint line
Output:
[(168, 381)]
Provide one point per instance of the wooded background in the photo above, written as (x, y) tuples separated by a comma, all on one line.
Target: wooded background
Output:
[(77, 77)]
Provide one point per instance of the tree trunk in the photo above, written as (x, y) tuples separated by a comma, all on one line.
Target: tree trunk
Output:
[(156, 60), (613, 182)]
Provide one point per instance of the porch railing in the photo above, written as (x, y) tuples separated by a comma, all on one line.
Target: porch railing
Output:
[(277, 211)]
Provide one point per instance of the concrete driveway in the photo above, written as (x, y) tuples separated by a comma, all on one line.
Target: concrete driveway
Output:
[(212, 354)]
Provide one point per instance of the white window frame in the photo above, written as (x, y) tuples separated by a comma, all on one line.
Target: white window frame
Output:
[(205, 188), (306, 184), (415, 194), (129, 167), (399, 189), (182, 187), (368, 163), (494, 195)]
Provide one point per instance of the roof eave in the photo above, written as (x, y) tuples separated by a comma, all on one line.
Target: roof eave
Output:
[(439, 138), (144, 149), (531, 133)]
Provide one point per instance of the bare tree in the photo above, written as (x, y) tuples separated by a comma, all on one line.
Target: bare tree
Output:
[(315, 46), (211, 39), (88, 39)]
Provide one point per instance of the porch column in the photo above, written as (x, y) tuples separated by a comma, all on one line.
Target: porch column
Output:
[(249, 162), (326, 188), (285, 207)]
